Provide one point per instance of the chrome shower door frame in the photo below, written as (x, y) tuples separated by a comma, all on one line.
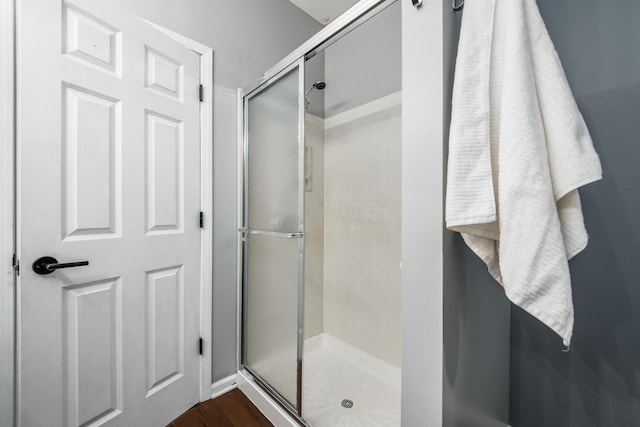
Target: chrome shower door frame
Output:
[(341, 26), (246, 231)]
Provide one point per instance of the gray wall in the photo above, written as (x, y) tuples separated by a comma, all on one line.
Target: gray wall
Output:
[(476, 311), (224, 338), (476, 341), (598, 382), (363, 65), (248, 37)]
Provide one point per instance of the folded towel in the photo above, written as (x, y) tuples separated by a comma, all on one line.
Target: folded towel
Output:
[(518, 151)]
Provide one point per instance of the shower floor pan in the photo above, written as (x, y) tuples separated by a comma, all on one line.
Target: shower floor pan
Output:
[(345, 387)]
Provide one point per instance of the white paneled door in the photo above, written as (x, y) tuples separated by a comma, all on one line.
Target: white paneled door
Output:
[(109, 173)]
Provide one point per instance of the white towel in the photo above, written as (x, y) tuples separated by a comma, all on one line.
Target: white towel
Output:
[(518, 151)]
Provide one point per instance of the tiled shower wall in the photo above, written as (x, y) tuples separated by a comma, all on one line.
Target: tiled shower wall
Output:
[(362, 283), (314, 225)]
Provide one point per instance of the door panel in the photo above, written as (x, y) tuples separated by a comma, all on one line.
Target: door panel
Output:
[(92, 349), (164, 330), (164, 165), (108, 172), (90, 40), (163, 74), (91, 144), (273, 235), (272, 306)]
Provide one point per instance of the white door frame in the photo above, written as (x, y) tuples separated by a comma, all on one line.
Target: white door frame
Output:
[(7, 145), (206, 203), (8, 141)]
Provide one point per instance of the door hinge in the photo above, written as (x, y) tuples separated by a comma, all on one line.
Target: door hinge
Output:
[(15, 262), (201, 92), (201, 219), (200, 346)]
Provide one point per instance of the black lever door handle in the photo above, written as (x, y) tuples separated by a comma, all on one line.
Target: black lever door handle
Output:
[(47, 265)]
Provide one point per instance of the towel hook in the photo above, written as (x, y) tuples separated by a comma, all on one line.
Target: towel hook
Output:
[(459, 6)]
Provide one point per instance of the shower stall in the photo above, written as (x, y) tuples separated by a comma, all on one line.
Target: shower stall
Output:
[(320, 228)]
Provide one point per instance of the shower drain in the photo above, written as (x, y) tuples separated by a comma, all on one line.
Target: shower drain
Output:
[(347, 403)]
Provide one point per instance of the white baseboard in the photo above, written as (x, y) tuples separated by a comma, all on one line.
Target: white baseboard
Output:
[(274, 413), (224, 385)]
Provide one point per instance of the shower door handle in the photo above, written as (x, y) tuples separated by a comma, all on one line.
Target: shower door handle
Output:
[(246, 230)]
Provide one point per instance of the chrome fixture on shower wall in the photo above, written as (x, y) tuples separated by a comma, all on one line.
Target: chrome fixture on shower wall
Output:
[(319, 85)]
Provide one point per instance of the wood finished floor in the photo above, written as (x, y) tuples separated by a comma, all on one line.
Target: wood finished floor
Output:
[(232, 409)]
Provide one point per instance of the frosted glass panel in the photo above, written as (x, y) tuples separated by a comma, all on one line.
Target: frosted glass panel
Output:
[(272, 312), (273, 127)]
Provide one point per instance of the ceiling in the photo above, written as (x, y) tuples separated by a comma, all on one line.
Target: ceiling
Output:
[(324, 11)]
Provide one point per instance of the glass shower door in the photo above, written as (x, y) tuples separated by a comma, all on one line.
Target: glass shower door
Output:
[(273, 235)]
